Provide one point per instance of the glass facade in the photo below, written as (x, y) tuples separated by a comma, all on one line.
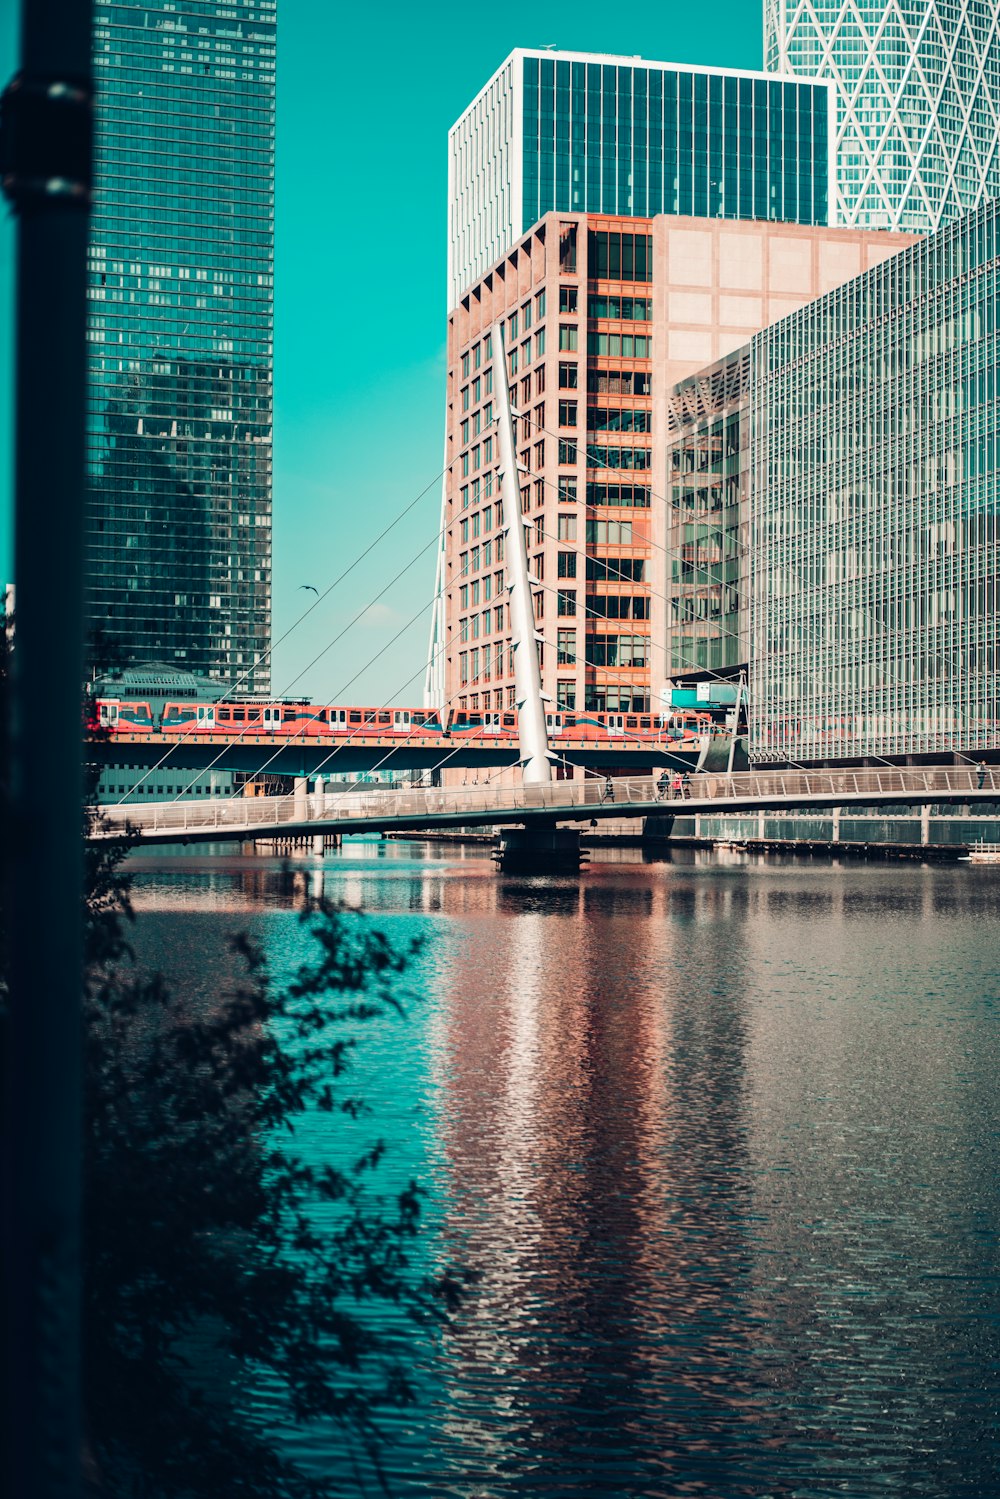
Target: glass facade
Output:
[(708, 520), (616, 138), (875, 513), (918, 101), (581, 133), (181, 288)]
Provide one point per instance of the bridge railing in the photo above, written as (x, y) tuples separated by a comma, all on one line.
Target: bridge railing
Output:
[(258, 814)]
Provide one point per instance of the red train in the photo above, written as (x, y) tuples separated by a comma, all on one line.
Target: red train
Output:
[(285, 720)]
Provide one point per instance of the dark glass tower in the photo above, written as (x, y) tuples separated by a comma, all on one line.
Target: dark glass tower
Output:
[(179, 516)]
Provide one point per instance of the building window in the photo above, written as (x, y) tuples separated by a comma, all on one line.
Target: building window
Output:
[(567, 564), (567, 249), (567, 491), (566, 648), (626, 309), (568, 337), (636, 495), (512, 325), (540, 305), (539, 343), (567, 603), (568, 299), (565, 696), (609, 532), (567, 451), (567, 528), (567, 413), (569, 376), (465, 366), (620, 345), (612, 256)]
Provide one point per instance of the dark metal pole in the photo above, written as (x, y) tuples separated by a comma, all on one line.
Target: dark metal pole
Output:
[(45, 166)]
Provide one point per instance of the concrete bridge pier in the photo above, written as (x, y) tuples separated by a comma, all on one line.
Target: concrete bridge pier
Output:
[(541, 848)]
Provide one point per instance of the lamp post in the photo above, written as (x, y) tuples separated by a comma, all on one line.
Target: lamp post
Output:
[(45, 171)]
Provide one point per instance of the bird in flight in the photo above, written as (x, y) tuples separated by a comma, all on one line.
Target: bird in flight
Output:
[(310, 588)]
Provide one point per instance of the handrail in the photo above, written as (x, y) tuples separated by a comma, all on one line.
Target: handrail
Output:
[(740, 788)]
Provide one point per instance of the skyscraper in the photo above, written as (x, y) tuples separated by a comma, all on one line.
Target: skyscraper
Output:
[(181, 289), (875, 510), (581, 132), (918, 101)]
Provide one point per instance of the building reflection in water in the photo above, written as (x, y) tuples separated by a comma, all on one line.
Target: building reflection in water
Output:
[(722, 1141), (593, 1126)]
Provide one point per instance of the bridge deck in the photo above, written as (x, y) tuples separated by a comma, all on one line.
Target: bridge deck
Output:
[(393, 810)]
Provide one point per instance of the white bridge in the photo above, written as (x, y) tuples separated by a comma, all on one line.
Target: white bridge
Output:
[(368, 809)]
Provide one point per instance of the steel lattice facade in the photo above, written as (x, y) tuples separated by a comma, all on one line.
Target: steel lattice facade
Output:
[(875, 510), (918, 101)]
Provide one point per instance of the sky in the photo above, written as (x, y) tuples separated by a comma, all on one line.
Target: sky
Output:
[(366, 96)]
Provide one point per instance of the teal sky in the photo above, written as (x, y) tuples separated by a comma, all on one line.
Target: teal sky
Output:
[(365, 99)]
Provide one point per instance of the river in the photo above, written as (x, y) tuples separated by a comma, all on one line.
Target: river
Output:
[(720, 1133)]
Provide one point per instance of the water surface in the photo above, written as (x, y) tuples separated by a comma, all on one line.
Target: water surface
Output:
[(722, 1138)]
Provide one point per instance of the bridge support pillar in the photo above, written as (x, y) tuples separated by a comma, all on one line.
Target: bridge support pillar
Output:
[(539, 850), (658, 827), (300, 796), (761, 825), (835, 836), (925, 824)]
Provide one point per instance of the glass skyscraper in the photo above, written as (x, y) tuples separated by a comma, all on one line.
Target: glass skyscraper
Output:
[(181, 289), (582, 133), (875, 510), (918, 101)]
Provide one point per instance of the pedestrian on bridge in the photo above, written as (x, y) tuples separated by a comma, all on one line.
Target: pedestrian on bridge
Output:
[(677, 787), (661, 786), (609, 790), (981, 774)]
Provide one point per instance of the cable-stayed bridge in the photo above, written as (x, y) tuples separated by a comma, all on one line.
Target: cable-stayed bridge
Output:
[(367, 809)]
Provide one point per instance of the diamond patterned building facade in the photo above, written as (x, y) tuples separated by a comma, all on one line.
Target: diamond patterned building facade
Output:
[(917, 98)]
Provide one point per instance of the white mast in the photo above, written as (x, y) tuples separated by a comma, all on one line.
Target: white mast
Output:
[(536, 769)]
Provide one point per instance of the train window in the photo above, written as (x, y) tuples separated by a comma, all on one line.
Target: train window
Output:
[(225, 715), (569, 721), (475, 721), (239, 714), (631, 723), (288, 713), (320, 715), (644, 723), (354, 717), (253, 715), (369, 718), (461, 718), (508, 720), (385, 718)]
